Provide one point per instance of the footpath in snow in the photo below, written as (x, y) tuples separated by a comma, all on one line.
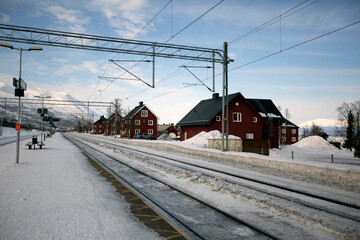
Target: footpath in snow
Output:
[(55, 193)]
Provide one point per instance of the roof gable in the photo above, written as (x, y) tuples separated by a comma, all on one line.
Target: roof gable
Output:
[(204, 111), (133, 112)]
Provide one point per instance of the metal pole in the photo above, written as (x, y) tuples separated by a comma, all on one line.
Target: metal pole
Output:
[(153, 75), (19, 118), (225, 102), (42, 109), (213, 66)]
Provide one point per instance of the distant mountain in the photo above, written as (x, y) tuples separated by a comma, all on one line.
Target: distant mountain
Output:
[(69, 114), (329, 125)]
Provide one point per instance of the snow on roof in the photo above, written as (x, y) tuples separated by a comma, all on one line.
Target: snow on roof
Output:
[(269, 115), (315, 143)]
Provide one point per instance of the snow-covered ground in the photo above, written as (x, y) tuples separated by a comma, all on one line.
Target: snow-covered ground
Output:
[(284, 217), (55, 193)]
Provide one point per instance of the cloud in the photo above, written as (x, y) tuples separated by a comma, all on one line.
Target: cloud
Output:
[(4, 18), (71, 19), (127, 17), (91, 66)]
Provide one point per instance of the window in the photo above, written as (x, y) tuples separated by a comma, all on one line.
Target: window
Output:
[(293, 139), (137, 131), (150, 122), (218, 118), (283, 139), (150, 131), (254, 119), (283, 131), (249, 136), (137, 122), (144, 113), (293, 131), (236, 117)]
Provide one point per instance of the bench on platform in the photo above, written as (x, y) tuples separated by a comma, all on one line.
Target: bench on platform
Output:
[(30, 144)]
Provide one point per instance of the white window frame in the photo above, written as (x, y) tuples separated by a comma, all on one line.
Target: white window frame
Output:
[(137, 122), (137, 131), (144, 113), (283, 130), (293, 131), (293, 139), (238, 116), (150, 131), (254, 119), (249, 135), (151, 122), (218, 118)]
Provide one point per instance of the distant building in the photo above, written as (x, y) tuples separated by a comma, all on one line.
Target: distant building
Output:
[(248, 119), (99, 126), (140, 120), (115, 125), (169, 129)]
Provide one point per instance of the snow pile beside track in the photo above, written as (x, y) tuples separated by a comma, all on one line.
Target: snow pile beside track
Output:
[(315, 143)]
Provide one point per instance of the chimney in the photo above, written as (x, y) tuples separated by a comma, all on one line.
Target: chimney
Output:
[(141, 103), (215, 95)]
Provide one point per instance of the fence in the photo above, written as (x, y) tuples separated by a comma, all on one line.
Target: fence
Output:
[(327, 157)]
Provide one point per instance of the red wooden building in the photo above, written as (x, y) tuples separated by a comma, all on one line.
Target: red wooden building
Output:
[(99, 126), (115, 125), (248, 118), (140, 120)]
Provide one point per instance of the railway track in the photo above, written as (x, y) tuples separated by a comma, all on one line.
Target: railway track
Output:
[(198, 218), (12, 139), (348, 211)]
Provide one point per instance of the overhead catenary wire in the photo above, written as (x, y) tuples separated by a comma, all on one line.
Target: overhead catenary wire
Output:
[(108, 65), (264, 57), (282, 16), (180, 31), (274, 20), (295, 45)]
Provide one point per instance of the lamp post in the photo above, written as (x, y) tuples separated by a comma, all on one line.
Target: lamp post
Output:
[(42, 107), (19, 118)]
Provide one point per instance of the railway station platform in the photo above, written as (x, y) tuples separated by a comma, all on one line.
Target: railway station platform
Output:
[(57, 193)]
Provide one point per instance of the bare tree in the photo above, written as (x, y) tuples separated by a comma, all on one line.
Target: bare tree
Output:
[(287, 114)]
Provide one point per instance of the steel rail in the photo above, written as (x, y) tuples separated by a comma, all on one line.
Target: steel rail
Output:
[(255, 180), (229, 215)]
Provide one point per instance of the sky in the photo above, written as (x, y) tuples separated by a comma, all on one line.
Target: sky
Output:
[(309, 78)]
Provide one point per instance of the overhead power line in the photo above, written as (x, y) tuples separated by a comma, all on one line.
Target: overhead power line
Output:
[(274, 20), (262, 58), (152, 19), (183, 29), (294, 46)]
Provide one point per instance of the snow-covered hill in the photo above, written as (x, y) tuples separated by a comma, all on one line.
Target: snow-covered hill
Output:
[(69, 114), (328, 125)]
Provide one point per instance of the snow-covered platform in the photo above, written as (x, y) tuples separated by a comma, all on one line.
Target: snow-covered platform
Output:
[(55, 193)]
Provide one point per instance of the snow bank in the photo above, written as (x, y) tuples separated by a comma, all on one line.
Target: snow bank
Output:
[(201, 139), (315, 143)]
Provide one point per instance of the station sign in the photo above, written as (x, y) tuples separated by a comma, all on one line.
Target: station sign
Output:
[(20, 84)]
